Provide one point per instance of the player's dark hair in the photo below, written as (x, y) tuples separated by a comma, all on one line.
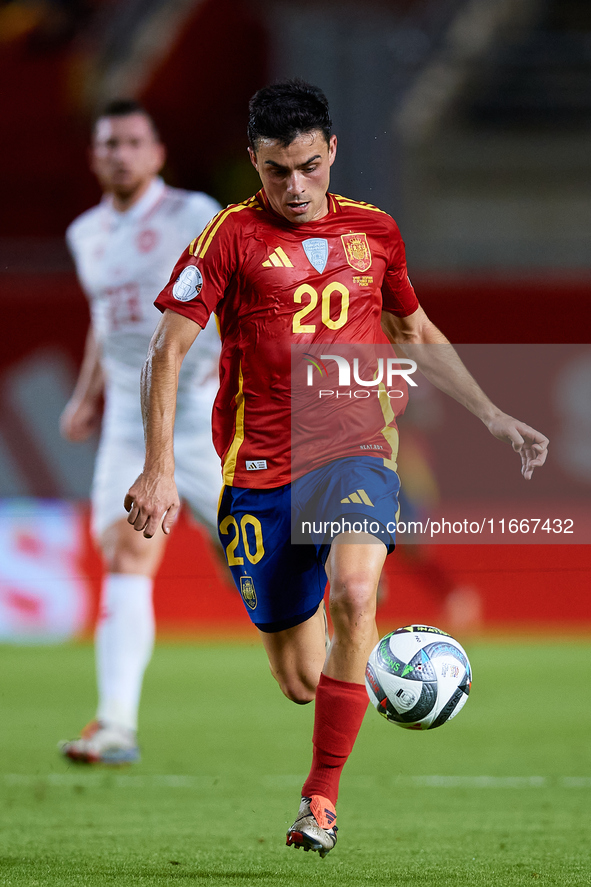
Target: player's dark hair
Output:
[(287, 109), (123, 108)]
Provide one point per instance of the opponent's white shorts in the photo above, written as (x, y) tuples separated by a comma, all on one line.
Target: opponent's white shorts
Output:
[(120, 457)]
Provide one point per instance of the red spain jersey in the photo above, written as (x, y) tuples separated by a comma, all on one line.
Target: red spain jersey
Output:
[(273, 284)]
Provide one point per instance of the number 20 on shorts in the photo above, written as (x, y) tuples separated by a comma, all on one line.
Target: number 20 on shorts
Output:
[(230, 524)]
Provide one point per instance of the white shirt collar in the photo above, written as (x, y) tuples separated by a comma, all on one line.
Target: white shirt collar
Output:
[(143, 206)]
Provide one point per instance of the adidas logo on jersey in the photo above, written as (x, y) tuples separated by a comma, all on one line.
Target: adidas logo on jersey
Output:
[(278, 259), (359, 497)]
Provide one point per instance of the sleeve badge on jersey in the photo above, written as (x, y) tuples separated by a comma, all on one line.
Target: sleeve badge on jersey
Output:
[(188, 284), (357, 251)]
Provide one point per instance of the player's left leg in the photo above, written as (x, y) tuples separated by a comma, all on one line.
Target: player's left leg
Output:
[(354, 567), (124, 638), (357, 499), (124, 641), (125, 629)]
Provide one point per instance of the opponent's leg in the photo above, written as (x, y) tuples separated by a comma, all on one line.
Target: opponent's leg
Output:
[(354, 568), (124, 641), (125, 630)]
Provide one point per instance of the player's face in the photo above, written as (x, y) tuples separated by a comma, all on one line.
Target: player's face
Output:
[(296, 177), (125, 154)]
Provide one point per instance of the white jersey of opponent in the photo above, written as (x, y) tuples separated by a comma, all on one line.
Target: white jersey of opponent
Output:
[(123, 260)]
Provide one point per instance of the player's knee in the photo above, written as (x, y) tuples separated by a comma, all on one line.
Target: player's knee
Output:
[(298, 688), (298, 692), (123, 559), (126, 551), (352, 599)]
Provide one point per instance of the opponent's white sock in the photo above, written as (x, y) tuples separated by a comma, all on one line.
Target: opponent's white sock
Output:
[(124, 641)]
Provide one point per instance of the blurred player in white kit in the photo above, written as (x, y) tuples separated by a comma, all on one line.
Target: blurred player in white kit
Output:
[(124, 250)]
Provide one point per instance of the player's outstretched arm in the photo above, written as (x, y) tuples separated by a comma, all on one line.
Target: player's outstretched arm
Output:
[(82, 414), (416, 337), (531, 445), (153, 499)]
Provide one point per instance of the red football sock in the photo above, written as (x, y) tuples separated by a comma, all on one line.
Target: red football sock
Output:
[(340, 707)]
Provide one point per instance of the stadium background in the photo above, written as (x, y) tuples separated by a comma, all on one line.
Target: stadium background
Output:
[(468, 120)]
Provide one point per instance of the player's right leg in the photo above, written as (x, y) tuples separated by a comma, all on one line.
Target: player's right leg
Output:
[(282, 586), (296, 657)]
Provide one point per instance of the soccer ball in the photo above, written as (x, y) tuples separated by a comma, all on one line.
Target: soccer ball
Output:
[(418, 677)]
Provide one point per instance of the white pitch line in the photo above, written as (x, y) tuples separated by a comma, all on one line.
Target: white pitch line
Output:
[(402, 781), (107, 779), (480, 781)]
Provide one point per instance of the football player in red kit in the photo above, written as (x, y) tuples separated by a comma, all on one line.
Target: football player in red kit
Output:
[(296, 265)]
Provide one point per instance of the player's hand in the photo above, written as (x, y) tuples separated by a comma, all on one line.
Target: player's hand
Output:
[(531, 445), (79, 420), (152, 501)]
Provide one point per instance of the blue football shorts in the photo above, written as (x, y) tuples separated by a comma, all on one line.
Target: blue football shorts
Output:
[(277, 541)]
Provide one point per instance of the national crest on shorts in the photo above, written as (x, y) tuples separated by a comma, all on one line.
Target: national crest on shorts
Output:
[(357, 251), (249, 595)]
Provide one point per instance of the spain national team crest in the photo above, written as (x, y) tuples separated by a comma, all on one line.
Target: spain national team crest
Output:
[(249, 595), (357, 251)]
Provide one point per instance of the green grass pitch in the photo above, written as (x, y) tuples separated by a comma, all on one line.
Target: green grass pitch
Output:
[(499, 796)]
